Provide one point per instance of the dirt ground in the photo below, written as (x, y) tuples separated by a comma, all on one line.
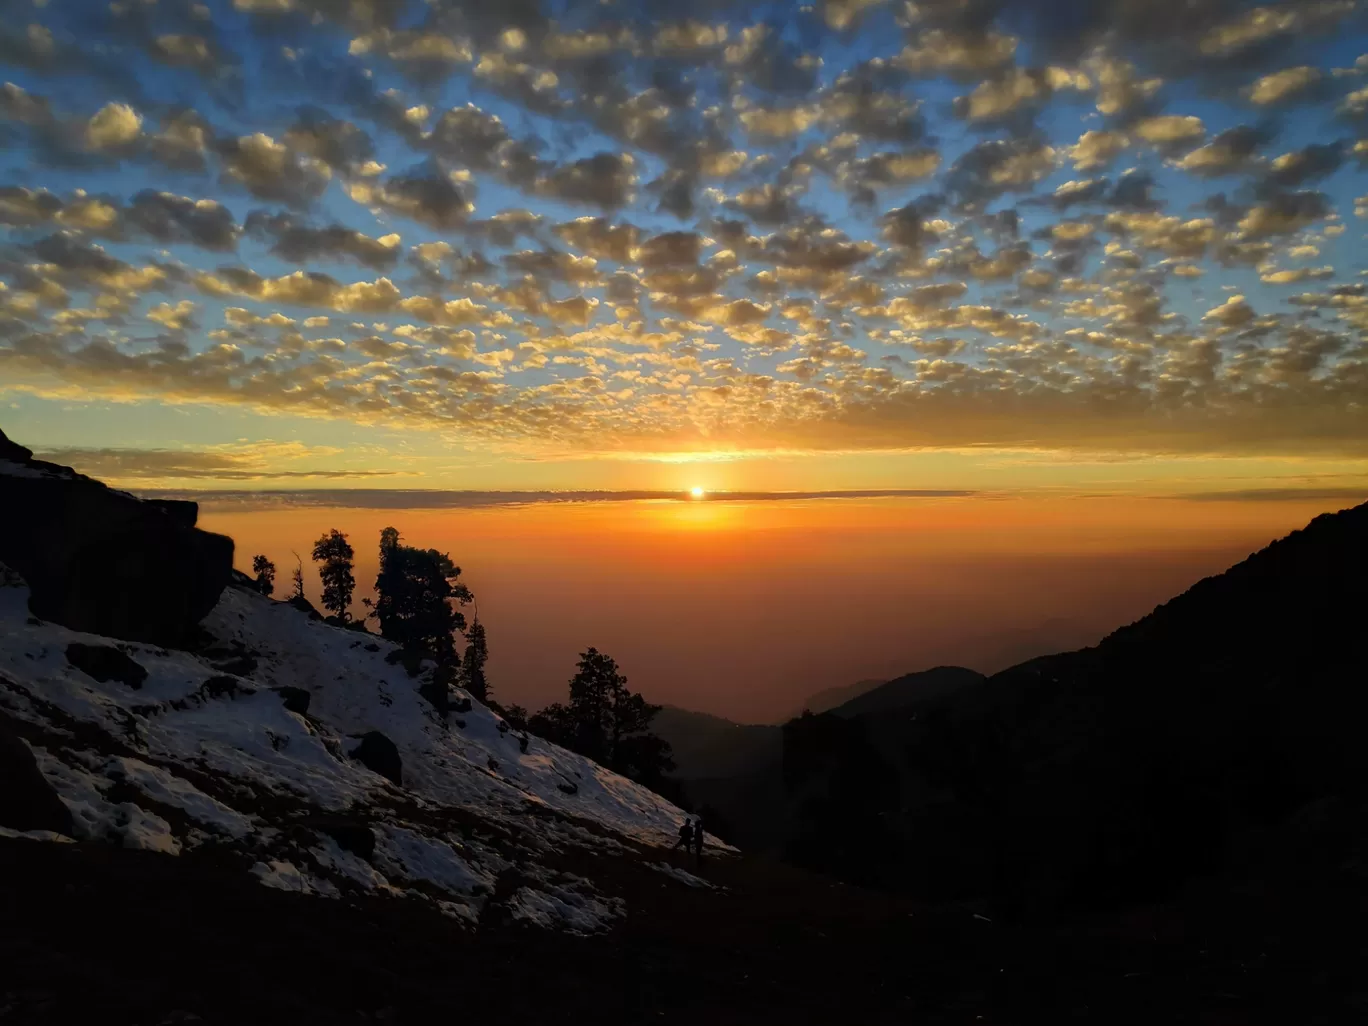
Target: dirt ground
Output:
[(92, 934)]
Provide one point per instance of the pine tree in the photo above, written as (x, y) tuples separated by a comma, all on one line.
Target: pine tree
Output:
[(414, 595), (265, 572), (336, 555), (606, 722), (592, 696), (473, 665)]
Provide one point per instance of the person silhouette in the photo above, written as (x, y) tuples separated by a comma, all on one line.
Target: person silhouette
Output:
[(686, 833), (698, 839)]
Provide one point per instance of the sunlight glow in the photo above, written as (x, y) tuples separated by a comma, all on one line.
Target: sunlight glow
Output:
[(697, 492)]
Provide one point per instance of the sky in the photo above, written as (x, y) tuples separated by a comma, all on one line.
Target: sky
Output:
[(746, 608), (447, 244)]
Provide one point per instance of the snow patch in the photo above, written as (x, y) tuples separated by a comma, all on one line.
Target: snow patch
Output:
[(35, 835), (332, 856), (574, 909), (286, 876), (684, 877), (168, 789), (269, 769), (403, 853)]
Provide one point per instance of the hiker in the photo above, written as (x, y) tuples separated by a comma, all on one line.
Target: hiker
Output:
[(686, 833), (698, 839)]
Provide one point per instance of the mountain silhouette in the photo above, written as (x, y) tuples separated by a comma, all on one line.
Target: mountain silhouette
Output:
[(830, 698), (704, 746), (1180, 746), (909, 689)]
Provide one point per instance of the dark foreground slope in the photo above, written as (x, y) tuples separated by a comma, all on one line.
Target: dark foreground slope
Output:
[(1217, 734), (93, 933)]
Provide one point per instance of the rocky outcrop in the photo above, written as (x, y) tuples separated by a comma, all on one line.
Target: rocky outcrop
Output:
[(377, 752), (103, 561), (27, 800), (295, 699), (104, 662)]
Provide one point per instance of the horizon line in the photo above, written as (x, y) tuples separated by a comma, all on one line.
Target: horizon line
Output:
[(453, 498)]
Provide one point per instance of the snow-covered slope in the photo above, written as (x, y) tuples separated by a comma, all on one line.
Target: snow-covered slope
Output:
[(202, 756)]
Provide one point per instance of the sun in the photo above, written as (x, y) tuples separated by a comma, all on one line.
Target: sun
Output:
[(697, 492)]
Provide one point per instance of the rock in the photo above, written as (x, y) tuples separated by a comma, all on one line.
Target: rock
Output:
[(462, 705), (411, 661), (224, 687), (568, 788), (351, 835), (238, 666), (305, 606), (182, 511), (102, 561), (378, 753), (296, 699), (27, 800), (437, 696), (13, 451), (372, 647), (105, 663)]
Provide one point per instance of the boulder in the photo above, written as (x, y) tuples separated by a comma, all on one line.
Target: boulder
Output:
[(350, 834), (105, 663), (296, 699), (436, 695), (103, 561), (27, 800), (304, 606), (379, 753)]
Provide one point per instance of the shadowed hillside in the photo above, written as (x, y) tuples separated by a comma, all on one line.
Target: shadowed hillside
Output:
[(1198, 740)]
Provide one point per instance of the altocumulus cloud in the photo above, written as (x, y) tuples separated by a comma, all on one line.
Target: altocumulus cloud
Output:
[(626, 228)]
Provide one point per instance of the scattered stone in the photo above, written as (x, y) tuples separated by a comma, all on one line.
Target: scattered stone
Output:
[(296, 699), (224, 687), (105, 663), (462, 705), (27, 800), (568, 788), (371, 647), (378, 753)]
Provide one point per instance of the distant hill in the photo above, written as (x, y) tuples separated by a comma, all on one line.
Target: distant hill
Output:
[(707, 746), (825, 701), (908, 689), (985, 654), (1202, 739)]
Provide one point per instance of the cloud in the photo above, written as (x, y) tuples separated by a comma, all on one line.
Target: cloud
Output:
[(1096, 150), (166, 217), (271, 170), (424, 195), (295, 240), (1284, 86), (224, 463), (641, 230), (604, 180)]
